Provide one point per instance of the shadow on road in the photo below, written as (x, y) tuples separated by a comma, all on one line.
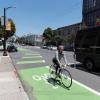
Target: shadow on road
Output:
[(55, 82), (95, 72)]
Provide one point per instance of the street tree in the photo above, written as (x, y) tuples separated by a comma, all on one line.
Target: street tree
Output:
[(70, 38), (8, 33), (59, 40), (49, 36)]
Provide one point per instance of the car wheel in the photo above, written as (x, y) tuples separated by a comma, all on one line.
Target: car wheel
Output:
[(16, 50), (13, 50), (89, 64)]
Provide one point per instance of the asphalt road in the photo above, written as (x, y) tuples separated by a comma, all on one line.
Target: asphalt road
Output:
[(91, 80)]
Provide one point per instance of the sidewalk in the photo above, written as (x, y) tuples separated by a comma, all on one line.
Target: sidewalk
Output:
[(10, 85)]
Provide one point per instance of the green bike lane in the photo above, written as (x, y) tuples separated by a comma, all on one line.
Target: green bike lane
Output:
[(37, 78), (42, 89)]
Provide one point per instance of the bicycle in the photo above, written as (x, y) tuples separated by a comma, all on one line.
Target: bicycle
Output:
[(63, 74)]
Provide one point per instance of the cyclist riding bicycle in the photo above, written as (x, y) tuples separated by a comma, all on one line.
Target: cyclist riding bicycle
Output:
[(59, 58)]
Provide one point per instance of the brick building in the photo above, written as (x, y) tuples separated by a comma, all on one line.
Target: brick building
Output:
[(91, 13)]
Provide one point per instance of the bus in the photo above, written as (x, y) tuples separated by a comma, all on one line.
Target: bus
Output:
[(87, 47)]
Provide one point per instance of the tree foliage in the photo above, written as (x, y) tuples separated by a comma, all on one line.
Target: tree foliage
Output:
[(8, 33), (51, 38), (48, 34), (70, 38), (28, 39)]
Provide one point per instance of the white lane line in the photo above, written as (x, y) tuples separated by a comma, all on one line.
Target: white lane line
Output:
[(43, 61), (82, 85), (48, 67), (32, 54), (32, 57), (31, 62), (86, 87)]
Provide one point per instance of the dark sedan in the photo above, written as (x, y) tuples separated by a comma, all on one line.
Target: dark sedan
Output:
[(12, 48)]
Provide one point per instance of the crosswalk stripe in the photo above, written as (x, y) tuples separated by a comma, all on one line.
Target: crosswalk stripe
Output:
[(32, 54), (31, 57), (31, 62)]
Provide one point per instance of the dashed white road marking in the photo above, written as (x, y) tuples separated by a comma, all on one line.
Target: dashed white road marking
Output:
[(32, 57), (43, 61)]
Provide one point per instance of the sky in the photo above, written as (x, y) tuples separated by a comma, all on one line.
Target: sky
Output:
[(33, 16)]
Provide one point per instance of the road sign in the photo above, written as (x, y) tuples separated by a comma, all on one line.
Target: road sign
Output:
[(8, 26), (2, 20)]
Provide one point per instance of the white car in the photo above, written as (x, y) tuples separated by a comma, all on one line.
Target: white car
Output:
[(44, 47), (52, 48)]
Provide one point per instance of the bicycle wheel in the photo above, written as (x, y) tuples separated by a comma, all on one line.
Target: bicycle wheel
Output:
[(66, 78)]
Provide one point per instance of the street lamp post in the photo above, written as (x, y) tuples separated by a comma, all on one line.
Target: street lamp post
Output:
[(4, 41)]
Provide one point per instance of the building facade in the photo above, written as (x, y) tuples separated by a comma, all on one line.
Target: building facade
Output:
[(71, 29), (68, 31), (38, 40), (91, 13)]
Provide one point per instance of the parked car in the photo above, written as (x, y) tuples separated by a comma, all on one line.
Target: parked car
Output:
[(68, 48), (51, 47), (44, 47), (12, 48), (23, 44)]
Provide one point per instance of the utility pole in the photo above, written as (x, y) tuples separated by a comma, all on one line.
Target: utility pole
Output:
[(4, 41), (5, 38)]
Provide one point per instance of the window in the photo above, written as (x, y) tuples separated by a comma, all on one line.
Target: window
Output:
[(91, 3), (94, 3)]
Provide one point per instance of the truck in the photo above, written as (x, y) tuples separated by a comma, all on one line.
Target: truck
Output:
[(87, 47)]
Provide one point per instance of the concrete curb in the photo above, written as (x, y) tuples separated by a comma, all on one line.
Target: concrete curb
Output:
[(19, 80), (10, 80)]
